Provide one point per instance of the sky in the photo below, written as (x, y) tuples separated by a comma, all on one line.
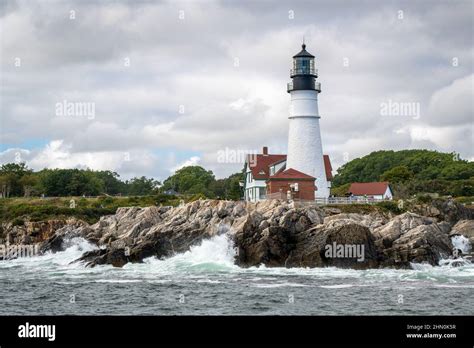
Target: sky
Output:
[(147, 87)]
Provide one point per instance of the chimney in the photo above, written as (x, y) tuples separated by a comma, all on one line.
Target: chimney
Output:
[(265, 151)]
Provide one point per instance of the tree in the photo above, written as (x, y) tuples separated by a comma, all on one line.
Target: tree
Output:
[(111, 182), (141, 186), (12, 173), (412, 171), (84, 183), (397, 174), (340, 191), (228, 188), (192, 179), (5, 185), (28, 183)]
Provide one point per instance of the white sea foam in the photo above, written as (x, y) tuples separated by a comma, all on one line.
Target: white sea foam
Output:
[(462, 243), (118, 280), (279, 285), (216, 253), (74, 248), (337, 286)]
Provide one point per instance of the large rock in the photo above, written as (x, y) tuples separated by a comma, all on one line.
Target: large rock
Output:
[(422, 244), (398, 226), (319, 247), (445, 210), (34, 232), (269, 233)]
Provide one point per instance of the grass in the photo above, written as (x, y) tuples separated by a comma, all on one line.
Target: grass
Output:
[(18, 210), (469, 200)]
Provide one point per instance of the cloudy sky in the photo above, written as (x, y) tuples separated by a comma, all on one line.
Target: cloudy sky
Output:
[(173, 83)]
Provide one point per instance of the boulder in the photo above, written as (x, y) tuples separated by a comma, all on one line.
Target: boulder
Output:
[(445, 210), (398, 226), (320, 246), (422, 244)]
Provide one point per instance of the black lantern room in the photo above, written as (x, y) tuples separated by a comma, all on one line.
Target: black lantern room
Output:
[(303, 73)]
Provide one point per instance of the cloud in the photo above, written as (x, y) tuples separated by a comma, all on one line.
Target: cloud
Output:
[(453, 105), (193, 161), (216, 79)]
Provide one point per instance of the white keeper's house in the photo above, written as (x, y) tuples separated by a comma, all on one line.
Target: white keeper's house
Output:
[(304, 173)]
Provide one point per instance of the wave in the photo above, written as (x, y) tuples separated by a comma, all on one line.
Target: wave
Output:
[(462, 243), (74, 248), (337, 286), (212, 262), (213, 255)]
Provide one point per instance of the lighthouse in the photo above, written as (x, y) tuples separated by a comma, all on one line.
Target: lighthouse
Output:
[(305, 151)]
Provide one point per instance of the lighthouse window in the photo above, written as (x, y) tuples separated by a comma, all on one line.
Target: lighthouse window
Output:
[(303, 65)]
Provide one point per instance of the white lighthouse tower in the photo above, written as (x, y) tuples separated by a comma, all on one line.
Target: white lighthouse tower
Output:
[(305, 151)]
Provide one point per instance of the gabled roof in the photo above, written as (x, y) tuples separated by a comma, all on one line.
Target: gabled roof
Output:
[(262, 164), (368, 188), (292, 174), (261, 169)]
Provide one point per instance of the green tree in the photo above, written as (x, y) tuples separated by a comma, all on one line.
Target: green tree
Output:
[(29, 183), (397, 174), (111, 182), (340, 191), (141, 186), (12, 173), (6, 181), (228, 188), (412, 171), (84, 182), (192, 180)]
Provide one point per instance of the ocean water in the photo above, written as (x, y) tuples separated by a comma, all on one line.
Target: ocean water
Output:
[(204, 281)]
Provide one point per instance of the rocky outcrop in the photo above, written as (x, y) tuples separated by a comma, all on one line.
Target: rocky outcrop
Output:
[(398, 226), (445, 210), (371, 221), (424, 243), (349, 245), (272, 233), (33, 232)]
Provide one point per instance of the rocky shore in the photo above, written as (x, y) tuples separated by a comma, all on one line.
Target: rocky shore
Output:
[(274, 233)]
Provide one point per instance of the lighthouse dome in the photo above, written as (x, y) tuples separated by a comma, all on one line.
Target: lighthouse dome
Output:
[(303, 53)]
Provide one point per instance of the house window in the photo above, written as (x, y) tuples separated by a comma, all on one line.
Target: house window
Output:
[(263, 192)]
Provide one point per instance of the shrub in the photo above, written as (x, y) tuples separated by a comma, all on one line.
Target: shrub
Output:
[(390, 206), (424, 199)]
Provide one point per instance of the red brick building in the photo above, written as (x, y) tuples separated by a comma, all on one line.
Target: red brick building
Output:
[(268, 177), (300, 185)]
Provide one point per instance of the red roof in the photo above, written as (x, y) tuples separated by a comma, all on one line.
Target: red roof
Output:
[(368, 188), (291, 174), (260, 170), (327, 167)]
